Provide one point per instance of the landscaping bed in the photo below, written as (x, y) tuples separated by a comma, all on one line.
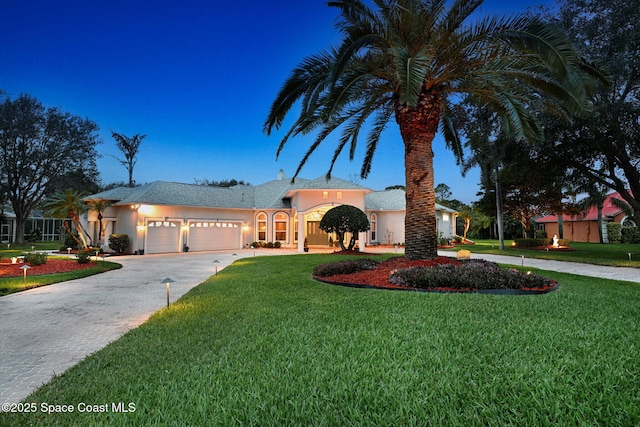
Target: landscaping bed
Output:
[(450, 275), (52, 266)]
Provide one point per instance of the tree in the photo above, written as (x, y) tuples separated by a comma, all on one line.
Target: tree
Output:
[(129, 147), (39, 145), (99, 206), (69, 204), (443, 193), (604, 144), (413, 60), (345, 219)]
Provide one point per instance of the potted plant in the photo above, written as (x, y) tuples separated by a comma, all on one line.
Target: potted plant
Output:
[(306, 245), (185, 248)]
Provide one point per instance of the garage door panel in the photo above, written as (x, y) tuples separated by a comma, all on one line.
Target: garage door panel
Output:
[(205, 236), (163, 236)]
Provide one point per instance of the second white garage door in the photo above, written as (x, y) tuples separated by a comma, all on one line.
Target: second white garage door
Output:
[(204, 236)]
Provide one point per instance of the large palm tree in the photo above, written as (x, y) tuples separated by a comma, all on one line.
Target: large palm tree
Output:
[(413, 60), (69, 204)]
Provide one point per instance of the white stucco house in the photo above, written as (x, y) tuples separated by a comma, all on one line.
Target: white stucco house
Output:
[(164, 217)]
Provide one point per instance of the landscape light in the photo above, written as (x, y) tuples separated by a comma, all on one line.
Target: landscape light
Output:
[(167, 281), (215, 262), (24, 268)]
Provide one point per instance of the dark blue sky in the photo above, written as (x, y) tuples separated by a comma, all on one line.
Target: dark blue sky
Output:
[(198, 77)]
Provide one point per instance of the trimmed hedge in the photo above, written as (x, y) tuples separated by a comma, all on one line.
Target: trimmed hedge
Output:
[(473, 274), (630, 235), (344, 267), (614, 232), (533, 243)]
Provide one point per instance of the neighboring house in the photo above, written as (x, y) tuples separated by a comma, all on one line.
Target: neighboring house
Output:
[(167, 216), (50, 229), (584, 227)]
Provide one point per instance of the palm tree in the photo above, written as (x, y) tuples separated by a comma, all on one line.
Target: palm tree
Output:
[(69, 204), (129, 147), (99, 206), (412, 60)]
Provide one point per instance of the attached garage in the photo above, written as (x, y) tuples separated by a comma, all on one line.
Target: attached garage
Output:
[(163, 236), (206, 236)]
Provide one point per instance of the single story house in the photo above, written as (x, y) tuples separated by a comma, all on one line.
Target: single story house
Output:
[(164, 217), (584, 226)]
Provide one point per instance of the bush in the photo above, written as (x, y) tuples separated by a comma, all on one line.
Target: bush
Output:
[(277, 245), (35, 258), (69, 242), (344, 267), (614, 232), (540, 234), (473, 274), (119, 242), (629, 235), (84, 256), (270, 245), (531, 243)]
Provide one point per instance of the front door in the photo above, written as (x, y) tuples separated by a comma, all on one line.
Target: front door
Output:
[(315, 236)]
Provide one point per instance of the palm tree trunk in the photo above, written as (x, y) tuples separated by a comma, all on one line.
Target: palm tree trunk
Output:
[(418, 127), (499, 213)]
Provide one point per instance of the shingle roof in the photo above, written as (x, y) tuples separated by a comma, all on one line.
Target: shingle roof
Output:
[(270, 195), (393, 200)]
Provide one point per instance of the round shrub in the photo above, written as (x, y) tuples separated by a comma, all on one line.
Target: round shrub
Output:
[(35, 258), (84, 256), (473, 274), (119, 242)]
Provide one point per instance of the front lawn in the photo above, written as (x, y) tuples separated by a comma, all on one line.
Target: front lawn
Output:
[(590, 253), (9, 285), (263, 344)]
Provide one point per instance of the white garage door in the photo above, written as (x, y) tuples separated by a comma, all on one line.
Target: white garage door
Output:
[(206, 236), (163, 236)]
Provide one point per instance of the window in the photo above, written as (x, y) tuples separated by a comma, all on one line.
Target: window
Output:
[(262, 227), (295, 229), (281, 222), (339, 195), (374, 227), (445, 217), (325, 195)]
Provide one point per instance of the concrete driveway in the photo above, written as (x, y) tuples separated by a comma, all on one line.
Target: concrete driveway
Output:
[(45, 331)]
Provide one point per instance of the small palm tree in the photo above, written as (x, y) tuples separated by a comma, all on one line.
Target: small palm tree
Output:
[(69, 204), (99, 206), (412, 61)]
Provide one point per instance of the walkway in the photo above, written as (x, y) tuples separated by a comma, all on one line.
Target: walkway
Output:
[(47, 330)]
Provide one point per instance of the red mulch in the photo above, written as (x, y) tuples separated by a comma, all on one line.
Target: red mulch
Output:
[(379, 276), (52, 266)]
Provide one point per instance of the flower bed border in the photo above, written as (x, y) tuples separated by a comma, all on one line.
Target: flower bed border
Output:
[(538, 291)]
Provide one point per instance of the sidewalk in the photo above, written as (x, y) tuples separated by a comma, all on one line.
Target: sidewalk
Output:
[(616, 273)]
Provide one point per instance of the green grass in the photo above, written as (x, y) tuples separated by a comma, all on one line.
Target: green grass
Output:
[(14, 249), (262, 344), (590, 253), (9, 285)]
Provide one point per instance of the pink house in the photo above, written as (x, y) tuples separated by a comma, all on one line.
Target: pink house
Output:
[(584, 227)]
